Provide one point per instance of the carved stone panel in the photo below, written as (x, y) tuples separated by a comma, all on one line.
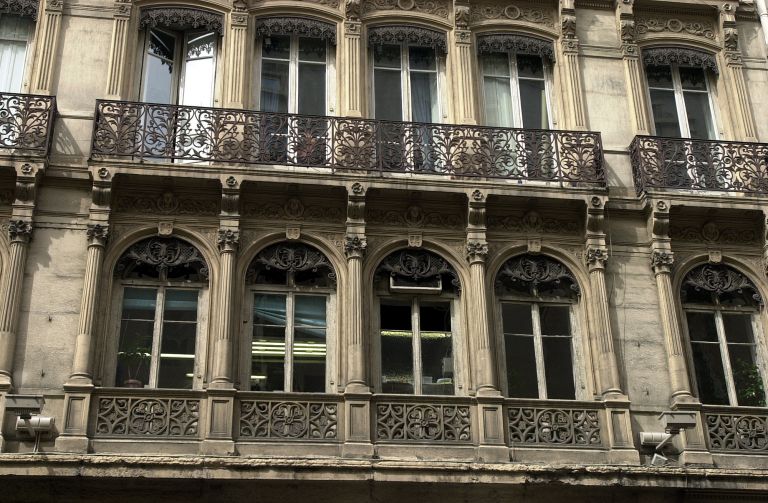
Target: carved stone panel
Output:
[(147, 417), (438, 8), (262, 420), (533, 222), (294, 209), (712, 233), (554, 426), (167, 203), (647, 24), (408, 422), (517, 11), (414, 216), (738, 432)]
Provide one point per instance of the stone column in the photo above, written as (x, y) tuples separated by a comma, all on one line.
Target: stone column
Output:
[(630, 54), (742, 117), (119, 61), (47, 46), (569, 50), (237, 55), (357, 393), (19, 233), (221, 391), (463, 68), (352, 62)]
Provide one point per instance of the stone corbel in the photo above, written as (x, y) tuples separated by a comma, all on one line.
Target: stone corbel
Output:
[(25, 193), (658, 229)]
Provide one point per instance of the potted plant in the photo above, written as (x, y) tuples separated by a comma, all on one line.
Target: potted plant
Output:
[(133, 362)]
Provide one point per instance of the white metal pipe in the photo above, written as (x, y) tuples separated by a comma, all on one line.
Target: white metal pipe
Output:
[(762, 11)]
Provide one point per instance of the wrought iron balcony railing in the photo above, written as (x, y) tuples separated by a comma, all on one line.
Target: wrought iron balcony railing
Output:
[(151, 132), (681, 163), (26, 123)]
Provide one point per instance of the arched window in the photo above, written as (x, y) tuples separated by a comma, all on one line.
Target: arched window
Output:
[(417, 295), (291, 286), (536, 297), (161, 282), (721, 311)]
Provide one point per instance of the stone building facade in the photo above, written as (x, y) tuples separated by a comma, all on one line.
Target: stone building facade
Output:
[(382, 249)]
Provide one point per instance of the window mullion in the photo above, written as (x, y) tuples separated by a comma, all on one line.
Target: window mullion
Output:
[(416, 328), (289, 328), (538, 348), (682, 116), (514, 89), (157, 335), (724, 354)]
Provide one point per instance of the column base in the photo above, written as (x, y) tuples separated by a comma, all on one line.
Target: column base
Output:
[(77, 444), (357, 450), (493, 454), (209, 447)]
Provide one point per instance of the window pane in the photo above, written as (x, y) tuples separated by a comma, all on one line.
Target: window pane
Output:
[(14, 33), (521, 367), (693, 78), (181, 305), (701, 326), (136, 334), (274, 86), (709, 373), (665, 113), (311, 89), (199, 70), (516, 318), (496, 63), (533, 101), (309, 343), (389, 95), (387, 56), (659, 76), (312, 49), (422, 58), (738, 327), (555, 320), (530, 66), (157, 82), (268, 343), (176, 373), (746, 376), (424, 97), (436, 348), (699, 115), (396, 348), (276, 46), (558, 367), (498, 102)]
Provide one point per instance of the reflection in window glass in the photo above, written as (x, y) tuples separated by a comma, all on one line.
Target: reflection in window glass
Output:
[(396, 347), (177, 350), (159, 64), (436, 348), (309, 346), (680, 101), (199, 69), (268, 343), (515, 91), (137, 326)]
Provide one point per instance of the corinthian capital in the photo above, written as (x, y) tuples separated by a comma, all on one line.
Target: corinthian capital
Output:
[(19, 231), (354, 246)]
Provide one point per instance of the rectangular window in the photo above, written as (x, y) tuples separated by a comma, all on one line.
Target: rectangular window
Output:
[(288, 344), (405, 83), (680, 101), (416, 347), (158, 338), (15, 32), (538, 344), (515, 90)]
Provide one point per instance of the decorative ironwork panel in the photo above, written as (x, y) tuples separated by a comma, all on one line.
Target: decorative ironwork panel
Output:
[(680, 56), (26, 123), (423, 422), (412, 35), (152, 132), (147, 417), (531, 272), (720, 281), (549, 426), (737, 432), (699, 164), (296, 26), (503, 42), (163, 258), (181, 18), (288, 420), (25, 8), (291, 257)]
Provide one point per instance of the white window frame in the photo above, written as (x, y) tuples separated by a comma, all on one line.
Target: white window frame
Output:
[(290, 292), (514, 85), (722, 342), (577, 357), (25, 67), (162, 287), (180, 62), (682, 114), (405, 82), (293, 74), (456, 347)]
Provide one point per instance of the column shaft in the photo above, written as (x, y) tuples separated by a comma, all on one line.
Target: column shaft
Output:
[(354, 322), (118, 60), (9, 307), (608, 369), (352, 70), (47, 46), (480, 332), (238, 42), (677, 366), (222, 368), (81, 368)]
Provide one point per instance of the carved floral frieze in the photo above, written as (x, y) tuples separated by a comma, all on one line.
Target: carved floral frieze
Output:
[(711, 233), (645, 25), (438, 8), (414, 217), (530, 13), (167, 203), (147, 417), (294, 209), (288, 420), (533, 222), (334, 4)]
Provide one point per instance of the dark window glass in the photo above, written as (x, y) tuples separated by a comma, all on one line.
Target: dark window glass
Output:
[(436, 348), (516, 318), (309, 343), (558, 367), (555, 320), (710, 376), (396, 347), (521, 367), (268, 343), (701, 326)]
